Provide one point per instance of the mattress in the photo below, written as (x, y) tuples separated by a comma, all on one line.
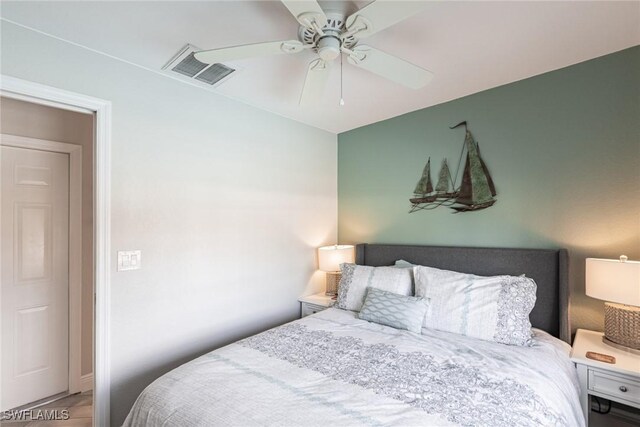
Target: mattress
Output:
[(334, 369)]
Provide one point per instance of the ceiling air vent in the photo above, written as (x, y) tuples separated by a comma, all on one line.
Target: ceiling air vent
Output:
[(189, 66), (186, 67), (214, 73)]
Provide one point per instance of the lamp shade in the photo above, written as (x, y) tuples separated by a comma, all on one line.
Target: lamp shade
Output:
[(613, 280), (330, 257)]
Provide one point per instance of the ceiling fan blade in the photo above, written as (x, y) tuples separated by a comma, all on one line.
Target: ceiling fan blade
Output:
[(315, 82), (382, 14), (390, 67), (306, 12), (215, 56)]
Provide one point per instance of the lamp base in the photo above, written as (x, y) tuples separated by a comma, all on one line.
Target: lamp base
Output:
[(622, 325), (333, 280)]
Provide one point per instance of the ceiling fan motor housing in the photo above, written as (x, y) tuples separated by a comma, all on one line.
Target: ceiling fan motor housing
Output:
[(328, 44)]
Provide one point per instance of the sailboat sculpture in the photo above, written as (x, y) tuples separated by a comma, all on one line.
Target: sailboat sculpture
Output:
[(476, 190), (424, 191), (424, 186)]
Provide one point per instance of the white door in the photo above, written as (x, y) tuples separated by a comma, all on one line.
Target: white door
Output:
[(35, 277)]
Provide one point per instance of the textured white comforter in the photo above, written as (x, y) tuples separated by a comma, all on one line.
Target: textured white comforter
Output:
[(334, 369)]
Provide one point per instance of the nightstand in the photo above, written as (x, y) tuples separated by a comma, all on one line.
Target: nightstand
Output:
[(619, 382), (312, 304)]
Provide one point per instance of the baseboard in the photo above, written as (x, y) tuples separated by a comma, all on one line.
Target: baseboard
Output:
[(86, 383)]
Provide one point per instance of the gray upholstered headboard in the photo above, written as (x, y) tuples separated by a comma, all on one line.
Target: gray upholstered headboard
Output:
[(549, 268)]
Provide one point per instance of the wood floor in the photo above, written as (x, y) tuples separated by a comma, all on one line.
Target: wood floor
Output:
[(79, 407)]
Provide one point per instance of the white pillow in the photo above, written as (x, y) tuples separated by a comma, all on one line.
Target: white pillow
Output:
[(356, 278), (490, 308)]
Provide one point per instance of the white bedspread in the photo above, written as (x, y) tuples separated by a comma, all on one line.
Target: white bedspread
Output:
[(334, 369)]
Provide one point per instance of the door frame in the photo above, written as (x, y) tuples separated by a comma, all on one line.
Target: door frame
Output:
[(12, 87), (75, 245)]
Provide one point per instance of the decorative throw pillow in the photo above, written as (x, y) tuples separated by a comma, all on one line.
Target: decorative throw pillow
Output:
[(490, 308), (357, 278), (395, 310)]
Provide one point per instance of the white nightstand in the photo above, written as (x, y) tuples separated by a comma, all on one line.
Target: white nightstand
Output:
[(312, 304), (619, 382)]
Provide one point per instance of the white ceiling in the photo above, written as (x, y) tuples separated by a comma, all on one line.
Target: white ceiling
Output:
[(470, 46)]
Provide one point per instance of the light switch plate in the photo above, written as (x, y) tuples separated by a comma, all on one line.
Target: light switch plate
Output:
[(129, 260)]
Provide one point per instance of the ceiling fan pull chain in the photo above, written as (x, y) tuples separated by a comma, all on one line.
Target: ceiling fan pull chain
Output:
[(341, 97)]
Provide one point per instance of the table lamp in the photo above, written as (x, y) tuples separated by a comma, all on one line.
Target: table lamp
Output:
[(617, 282), (329, 260)]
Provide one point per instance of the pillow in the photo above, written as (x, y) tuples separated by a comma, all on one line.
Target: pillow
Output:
[(357, 278), (395, 310), (490, 308), (404, 264)]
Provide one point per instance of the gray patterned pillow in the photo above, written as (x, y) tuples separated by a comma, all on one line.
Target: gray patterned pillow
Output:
[(357, 278), (397, 311), (403, 264), (490, 308)]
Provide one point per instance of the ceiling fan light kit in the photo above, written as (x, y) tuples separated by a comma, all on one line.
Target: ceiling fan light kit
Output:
[(329, 47), (330, 35)]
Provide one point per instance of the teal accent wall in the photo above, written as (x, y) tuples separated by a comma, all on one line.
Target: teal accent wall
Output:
[(563, 149)]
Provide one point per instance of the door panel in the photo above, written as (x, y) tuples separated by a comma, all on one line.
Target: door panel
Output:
[(29, 175), (31, 333), (33, 239), (35, 275)]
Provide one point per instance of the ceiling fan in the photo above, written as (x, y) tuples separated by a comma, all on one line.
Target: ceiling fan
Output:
[(330, 35)]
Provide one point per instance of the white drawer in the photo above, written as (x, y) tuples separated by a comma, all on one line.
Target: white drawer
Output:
[(614, 385), (308, 309)]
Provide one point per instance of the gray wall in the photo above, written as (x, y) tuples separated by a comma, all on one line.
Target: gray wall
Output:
[(563, 149), (53, 124), (226, 202)]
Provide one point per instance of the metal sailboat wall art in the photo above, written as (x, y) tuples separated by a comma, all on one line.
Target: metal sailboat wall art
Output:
[(476, 190)]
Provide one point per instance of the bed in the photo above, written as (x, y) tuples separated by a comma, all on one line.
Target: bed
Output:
[(332, 368)]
